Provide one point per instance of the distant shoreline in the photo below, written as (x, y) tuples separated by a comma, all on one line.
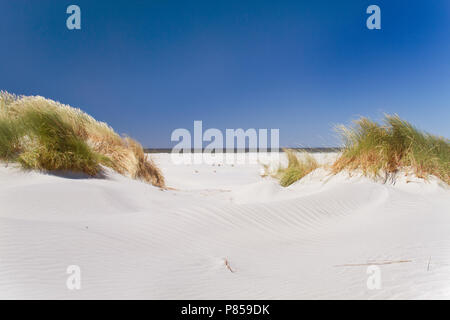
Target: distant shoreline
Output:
[(312, 150)]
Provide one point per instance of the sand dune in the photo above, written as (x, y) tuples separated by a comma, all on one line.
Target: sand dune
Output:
[(222, 232)]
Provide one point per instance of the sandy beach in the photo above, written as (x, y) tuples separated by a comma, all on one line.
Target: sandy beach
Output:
[(222, 231)]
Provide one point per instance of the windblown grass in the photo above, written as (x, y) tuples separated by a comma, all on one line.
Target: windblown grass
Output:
[(299, 165), (43, 134), (389, 147), (9, 139), (52, 144)]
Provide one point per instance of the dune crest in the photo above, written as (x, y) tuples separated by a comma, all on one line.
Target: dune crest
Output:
[(43, 134)]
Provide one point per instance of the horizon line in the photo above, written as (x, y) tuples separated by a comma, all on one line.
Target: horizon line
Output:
[(246, 150)]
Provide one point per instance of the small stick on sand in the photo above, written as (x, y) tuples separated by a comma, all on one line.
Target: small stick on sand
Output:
[(428, 267), (372, 263), (228, 265)]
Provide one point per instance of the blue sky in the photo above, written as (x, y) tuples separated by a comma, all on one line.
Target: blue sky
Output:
[(149, 67)]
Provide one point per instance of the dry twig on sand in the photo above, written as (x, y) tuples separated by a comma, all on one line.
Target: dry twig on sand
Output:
[(372, 263), (227, 264)]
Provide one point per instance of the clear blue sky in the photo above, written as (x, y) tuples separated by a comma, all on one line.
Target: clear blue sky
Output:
[(149, 67)]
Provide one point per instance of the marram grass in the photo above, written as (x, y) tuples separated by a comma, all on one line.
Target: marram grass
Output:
[(43, 134), (392, 146), (52, 144), (299, 165)]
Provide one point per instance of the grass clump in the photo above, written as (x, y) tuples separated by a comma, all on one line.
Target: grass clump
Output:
[(391, 146), (299, 165), (9, 139), (43, 134), (51, 144)]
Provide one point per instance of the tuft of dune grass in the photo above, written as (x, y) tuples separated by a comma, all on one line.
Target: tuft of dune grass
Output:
[(299, 165), (391, 146), (43, 134), (51, 144), (145, 168)]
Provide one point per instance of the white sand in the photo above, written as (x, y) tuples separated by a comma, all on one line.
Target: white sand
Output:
[(311, 240)]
